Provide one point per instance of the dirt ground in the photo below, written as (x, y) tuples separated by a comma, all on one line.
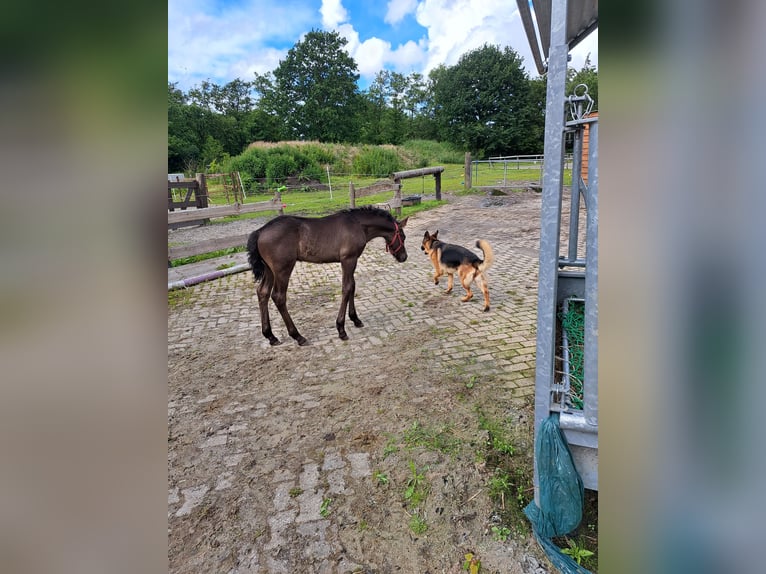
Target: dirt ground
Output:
[(368, 455)]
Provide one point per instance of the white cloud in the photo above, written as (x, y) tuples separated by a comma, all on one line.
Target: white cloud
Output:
[(333, 14), (459, 26), (588, 46), (374, 54), (398, 9), (205, 41)]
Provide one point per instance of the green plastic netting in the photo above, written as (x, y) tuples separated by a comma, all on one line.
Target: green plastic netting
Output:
[(561, 494)]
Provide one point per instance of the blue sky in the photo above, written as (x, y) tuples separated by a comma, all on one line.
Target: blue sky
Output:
[(221, 40)]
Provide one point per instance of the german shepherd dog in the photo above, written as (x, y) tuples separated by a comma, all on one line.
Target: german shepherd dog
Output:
[(450, 259)]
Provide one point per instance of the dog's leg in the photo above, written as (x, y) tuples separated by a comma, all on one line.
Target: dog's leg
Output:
[(465, 280), (481, 281), (450, 281)]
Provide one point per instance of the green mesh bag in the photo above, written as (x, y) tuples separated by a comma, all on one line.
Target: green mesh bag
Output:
[(561, 494)]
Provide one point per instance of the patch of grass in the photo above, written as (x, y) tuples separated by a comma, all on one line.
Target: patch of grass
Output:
[(179, 297), (223, 266), (296, 491), (439, 438), (205, 256), (324, 508), (498, 439), (390, 448), (417, 524), (510, 480)]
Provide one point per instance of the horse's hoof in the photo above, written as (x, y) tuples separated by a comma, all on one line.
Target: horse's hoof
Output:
[(274, 342), (343, 336), (358, 323), (302, 341)]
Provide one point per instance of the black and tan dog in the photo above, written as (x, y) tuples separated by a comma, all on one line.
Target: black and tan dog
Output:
[(450, 259)]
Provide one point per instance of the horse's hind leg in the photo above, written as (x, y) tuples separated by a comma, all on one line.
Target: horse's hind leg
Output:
[(279, 296), (347, 299), (264, 292)]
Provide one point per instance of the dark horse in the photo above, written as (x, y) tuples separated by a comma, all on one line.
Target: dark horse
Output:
[(341, 237)]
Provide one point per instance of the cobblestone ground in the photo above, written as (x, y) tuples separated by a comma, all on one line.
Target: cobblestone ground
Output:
[(275, 453)]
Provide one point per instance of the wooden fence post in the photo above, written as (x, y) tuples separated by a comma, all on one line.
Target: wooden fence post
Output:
[(351, 194), (467, 177), (398, 197), (438, 178), (201, 191)]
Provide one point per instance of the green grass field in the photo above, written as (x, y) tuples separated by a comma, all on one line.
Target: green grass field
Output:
[(302, 202)]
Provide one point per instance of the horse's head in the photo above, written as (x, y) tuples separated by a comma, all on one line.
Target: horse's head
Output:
[(396, 244)]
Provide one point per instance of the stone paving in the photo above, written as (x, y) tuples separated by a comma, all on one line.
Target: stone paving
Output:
[(391, 299), (506, 334)]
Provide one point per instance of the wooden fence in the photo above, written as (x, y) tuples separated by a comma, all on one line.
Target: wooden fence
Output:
[(196, 187), (395, 186)]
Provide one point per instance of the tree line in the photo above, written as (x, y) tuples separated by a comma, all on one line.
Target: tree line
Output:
[(486, 104)]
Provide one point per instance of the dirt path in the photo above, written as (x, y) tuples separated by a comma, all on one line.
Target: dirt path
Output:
[(301, 459)]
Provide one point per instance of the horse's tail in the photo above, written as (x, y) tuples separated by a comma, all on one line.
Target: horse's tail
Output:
[(254, 256), (489, 256)]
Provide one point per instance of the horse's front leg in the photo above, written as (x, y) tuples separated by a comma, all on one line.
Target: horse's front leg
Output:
[(347, 299)]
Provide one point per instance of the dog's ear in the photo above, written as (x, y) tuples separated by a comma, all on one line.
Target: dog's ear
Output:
[(426, 235), (403, 222), (435, 234)]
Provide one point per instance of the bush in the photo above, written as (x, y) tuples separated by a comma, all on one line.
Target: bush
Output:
[(280, 166), (376, 161)]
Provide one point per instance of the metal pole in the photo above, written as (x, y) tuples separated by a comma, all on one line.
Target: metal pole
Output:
[(574, 211), (590, 360), (550, 219)]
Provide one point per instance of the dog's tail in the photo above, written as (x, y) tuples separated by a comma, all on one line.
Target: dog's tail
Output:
[(254, 256), (489, 256)]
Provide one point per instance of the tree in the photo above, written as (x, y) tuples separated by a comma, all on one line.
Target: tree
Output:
[(482, 103), (313, 90)]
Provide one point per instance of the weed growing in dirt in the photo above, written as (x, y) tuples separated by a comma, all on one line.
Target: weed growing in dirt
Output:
[(417, 524), (433, 438), (576, 551), (510, 482), (417, 487), (296, 491), (501, 533), (380, 477), (324, 508), (390, 448)]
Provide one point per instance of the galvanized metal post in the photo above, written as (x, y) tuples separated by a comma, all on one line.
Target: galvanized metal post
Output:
[(574, 211), (550, 217), (590, 361)]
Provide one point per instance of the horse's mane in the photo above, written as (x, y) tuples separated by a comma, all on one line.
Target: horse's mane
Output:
[(371, 209)]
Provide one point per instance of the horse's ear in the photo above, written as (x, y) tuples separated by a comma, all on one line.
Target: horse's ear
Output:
[(403, 222)]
